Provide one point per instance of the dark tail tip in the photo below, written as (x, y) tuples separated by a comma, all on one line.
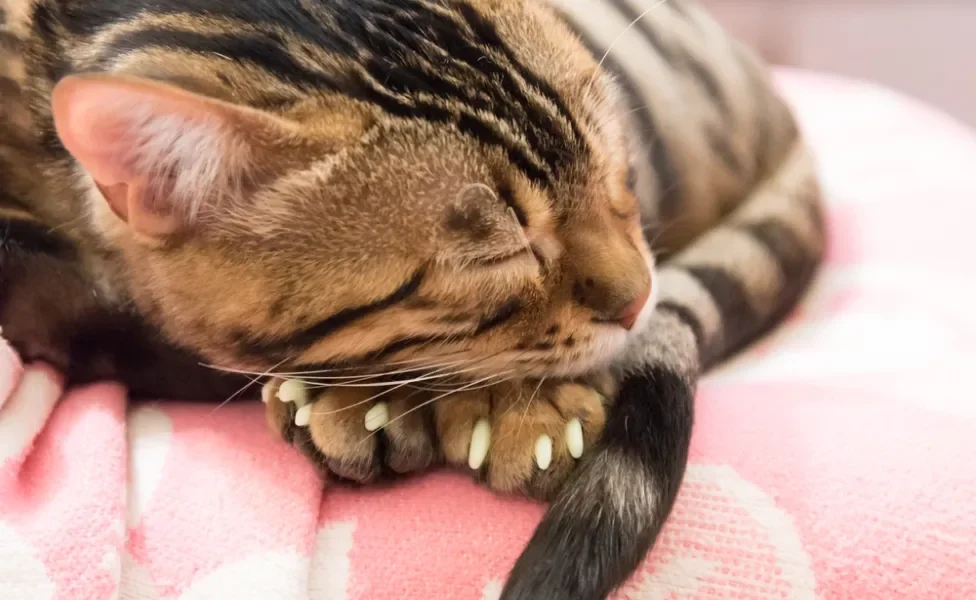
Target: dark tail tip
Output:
[(604, 522), (582, 550)]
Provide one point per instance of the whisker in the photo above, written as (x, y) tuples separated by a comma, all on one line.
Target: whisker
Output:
[(618, 115), (469, 362), (450, 389), (375, 396), (297, 373), (361, 402), (431, 373), (425, 377), (664, 227), (528, 404), (617, 39), (436, 398), (473, 361), (366, 377), (253, 380)]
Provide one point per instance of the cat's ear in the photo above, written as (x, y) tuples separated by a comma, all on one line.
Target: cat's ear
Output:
[(162, 157)]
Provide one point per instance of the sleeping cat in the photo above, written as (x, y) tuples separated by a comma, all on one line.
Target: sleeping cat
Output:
[(442, 208)]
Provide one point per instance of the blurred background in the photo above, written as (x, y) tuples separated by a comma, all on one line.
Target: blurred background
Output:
[(925, 48)]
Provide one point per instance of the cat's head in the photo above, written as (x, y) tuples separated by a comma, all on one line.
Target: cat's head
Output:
[(472, 217)]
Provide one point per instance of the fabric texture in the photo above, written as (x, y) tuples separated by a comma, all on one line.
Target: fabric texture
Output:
[(831, 460)]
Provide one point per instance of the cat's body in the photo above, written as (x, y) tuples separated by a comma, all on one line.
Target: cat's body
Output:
[(456, 187)]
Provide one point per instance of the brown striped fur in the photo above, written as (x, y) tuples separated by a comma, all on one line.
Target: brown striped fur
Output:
[(304, 186)]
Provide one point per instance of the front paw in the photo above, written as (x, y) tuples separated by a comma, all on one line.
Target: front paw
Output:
[(356, 433), (522, 438)]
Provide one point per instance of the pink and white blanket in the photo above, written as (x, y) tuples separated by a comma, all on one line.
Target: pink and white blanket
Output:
[(832, 460)]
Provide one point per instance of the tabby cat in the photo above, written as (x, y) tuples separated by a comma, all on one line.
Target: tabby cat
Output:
[(450, 201)]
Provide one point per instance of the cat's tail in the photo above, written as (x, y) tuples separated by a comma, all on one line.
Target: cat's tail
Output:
[(720, 293), (607, 518)]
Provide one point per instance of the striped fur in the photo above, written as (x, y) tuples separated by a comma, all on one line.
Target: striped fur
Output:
[(366, 182)]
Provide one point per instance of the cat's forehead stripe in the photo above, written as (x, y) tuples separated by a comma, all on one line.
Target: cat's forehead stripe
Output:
[(409, 58), (250, 48)]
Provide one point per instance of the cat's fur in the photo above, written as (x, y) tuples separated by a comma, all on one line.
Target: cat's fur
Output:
[(295, 185)]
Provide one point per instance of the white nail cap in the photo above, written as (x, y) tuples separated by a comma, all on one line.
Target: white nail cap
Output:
[(293, 390), (574, 438), (543, 452), (377, 417), (303, 416), (480, 440), (267, 390)]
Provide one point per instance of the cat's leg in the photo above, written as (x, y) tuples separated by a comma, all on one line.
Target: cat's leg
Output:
[(50, 311), (43, 291)]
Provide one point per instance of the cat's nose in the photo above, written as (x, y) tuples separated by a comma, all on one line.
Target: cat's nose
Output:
[(628, 316)]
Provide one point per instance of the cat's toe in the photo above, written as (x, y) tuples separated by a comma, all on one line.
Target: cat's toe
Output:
[(409, 434), (521, 438), (279, 415), (354, 432), (463, 423), (284, 414), (539, 435)]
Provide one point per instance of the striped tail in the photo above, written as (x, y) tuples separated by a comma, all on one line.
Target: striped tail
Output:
[(719, 294)]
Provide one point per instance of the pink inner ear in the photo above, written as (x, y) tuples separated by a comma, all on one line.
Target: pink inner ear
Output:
[(93, 118), (125, 132)]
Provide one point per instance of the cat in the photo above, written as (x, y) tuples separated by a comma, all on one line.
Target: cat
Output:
[(451, 201)]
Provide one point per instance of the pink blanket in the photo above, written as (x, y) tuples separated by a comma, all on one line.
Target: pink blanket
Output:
[(833, 460)]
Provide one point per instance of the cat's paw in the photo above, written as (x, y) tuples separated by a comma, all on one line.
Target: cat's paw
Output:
[(350, 433), (522, 438)]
